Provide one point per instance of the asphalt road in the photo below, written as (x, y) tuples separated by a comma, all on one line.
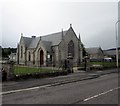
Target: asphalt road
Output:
[(33, 82), (101, 90)]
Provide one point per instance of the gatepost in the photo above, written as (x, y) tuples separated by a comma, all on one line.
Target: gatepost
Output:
[(7, 70), (86, 59), (70, 63), (11, 70)]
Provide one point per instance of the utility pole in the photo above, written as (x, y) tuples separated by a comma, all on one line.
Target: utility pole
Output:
[(116, 29)]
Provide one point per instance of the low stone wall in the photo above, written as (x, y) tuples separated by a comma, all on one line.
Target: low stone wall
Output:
[(8, 68)]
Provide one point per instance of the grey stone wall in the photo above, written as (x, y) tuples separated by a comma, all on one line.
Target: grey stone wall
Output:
[(37, 54), (55, 56), (22, 58), (31, 51), (8, 67), (63, 47)]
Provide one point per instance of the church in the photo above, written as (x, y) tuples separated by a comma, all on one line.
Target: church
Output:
[(49, 50)]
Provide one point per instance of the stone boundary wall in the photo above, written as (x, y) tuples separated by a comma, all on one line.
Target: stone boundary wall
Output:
[(8, 67)]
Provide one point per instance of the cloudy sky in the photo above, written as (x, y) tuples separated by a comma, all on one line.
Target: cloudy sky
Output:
[(95, 21)]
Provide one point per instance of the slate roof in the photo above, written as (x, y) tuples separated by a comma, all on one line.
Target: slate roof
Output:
[(110, 52), (93, 50), (47, 45), (27, 40), (55, 38), (34, 42), (47, 40)]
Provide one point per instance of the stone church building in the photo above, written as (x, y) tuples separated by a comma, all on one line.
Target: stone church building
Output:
[(49, 50)]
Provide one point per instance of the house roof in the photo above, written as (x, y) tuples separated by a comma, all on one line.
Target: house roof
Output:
[(34, 42), (48, 40), (47, 45), (110, 52), (55, 38), (92, 50), (26, 40)]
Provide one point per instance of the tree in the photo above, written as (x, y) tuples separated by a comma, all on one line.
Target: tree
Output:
[(84, 51), (7, 51)]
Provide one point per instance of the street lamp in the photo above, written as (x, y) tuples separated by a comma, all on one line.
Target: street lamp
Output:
[(116, 43)]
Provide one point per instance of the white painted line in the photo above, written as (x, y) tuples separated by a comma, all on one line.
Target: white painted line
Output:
[(27, 89), (103, 93)]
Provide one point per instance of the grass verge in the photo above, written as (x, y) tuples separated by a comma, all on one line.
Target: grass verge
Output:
[(22, 70)]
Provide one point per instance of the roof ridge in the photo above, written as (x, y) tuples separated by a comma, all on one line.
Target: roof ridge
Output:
[(25, 37), (54, 33), (92, 47)]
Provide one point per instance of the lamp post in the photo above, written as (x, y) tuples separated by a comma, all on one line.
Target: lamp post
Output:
[(116, 42)]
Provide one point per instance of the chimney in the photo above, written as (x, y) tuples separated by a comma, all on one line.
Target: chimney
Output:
[(21, 34), (40, 37), (33, 36), (70, 25), (62, 34)]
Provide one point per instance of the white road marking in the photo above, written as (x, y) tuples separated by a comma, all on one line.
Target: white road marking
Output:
[(103, 93), (27, 89)]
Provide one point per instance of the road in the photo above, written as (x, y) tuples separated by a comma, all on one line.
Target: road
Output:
[(101, 90), (33, 82)]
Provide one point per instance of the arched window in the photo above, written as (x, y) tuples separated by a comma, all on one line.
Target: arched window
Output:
[(33, 58), (41, 57), (21, 52), (29, 58), (71, 48)]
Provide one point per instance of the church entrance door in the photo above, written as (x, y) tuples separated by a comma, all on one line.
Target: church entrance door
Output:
[(41, 57)]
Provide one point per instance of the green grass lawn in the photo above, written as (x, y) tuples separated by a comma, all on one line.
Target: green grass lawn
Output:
[(22, 70), (105, 64)]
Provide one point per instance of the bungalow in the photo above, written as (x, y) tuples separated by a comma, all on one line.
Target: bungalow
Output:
[(95, 53)]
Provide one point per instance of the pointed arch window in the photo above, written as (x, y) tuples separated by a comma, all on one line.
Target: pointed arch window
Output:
[(71, 48), (21, 52), (33, 58), (29, 58)]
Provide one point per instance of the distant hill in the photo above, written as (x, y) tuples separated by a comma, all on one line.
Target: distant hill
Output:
[(113, 49), (111, 52)]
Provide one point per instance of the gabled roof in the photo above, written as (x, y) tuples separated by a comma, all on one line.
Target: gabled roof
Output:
[(110, 52), (47, 45), (26, 40), (51, 39), (34, 42), (55, 38), (92, 50)]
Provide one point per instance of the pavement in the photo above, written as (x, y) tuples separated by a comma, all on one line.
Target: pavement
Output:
[(78, 75)]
